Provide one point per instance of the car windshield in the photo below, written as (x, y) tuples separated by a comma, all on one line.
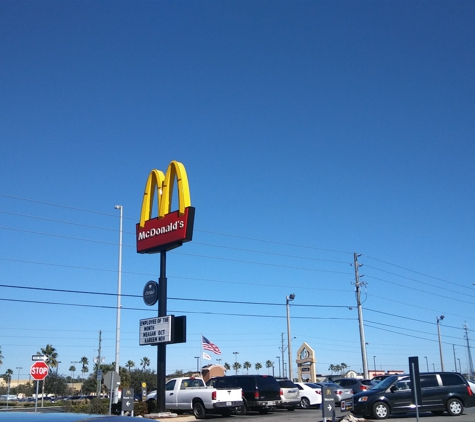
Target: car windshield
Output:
[(385, 383)]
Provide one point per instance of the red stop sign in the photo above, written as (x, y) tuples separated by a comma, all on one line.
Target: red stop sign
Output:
[(39, 370)]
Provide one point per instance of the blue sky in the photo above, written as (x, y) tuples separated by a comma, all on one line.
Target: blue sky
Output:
[(310, 130)]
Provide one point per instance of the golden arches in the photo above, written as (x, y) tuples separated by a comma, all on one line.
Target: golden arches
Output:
[(164, 186)]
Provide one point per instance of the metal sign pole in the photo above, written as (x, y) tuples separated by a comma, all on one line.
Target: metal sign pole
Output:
[(162, 347), (36, 400)]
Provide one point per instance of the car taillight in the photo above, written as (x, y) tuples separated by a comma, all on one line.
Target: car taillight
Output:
[(213, 395), (318, 392), (256, 395), (470, 392), (281, 392), (363, 388)]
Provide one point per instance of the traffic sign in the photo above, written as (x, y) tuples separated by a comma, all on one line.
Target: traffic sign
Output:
[(111, 380), (39, 370), (128, 400), (36, 358)]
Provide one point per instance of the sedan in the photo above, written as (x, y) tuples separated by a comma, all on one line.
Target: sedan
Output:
[(310, 395), (339, 393)]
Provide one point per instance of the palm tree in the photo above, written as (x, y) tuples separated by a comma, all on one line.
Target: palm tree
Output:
[(236, 366), (1, 356), (72, 369), (144, 362), (50, 352), (269, 364), (246, 365), (343, 366), (84, 362), (130, 364), (257, 366), (227, 366)]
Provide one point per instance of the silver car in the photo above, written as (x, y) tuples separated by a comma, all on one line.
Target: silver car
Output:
[(339, 392), (289, 394)]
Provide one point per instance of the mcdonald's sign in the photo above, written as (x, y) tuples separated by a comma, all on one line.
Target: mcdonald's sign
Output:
[(169, 229)]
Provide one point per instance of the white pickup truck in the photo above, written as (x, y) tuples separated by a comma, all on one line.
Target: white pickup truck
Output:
[(191, 394)]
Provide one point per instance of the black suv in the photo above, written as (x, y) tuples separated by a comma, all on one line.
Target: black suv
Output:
[(260, 392), (441, 391)]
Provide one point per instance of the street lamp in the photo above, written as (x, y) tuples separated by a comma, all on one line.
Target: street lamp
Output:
[(235, 354), (119, 292), (288, 299), (427, 363), (440, 343), (18, 380), (280, 373), (197, 363)]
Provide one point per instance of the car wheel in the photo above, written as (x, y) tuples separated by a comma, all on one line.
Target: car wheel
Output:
[(454, 407), (380, 410), (199, 410), (304, 403)]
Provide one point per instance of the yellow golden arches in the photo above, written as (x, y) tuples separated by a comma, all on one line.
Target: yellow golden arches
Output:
[(164, 186)]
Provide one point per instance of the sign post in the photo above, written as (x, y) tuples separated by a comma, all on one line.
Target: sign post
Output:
[(38, 371), (328, 404)]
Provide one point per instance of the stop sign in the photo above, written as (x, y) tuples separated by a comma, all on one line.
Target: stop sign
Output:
[(39, 370)]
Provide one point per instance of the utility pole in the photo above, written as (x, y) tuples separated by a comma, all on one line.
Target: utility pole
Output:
[(98, 372), (470, 362), (358, 284), (282, 350), (440, 342)]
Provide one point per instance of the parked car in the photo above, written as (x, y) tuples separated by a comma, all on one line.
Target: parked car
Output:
[(260, 392), (339, 392), (191, 394), (441, 391), (310, 395), (356, 384), (289, 394)]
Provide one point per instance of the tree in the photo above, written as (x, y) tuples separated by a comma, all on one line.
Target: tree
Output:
[(8, 375), (331, 368), (84, 369), (343, 366), (236, 366), (72, 369), (257, 366), (1, 356), (50, 352), (130, 364), (246, 365), (269, 364), (227, 366), (144, 362)]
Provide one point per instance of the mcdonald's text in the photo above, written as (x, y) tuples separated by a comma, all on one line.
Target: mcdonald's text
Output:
[(165, 233)]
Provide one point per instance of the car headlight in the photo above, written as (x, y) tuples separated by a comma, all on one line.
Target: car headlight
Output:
[(364, 398)]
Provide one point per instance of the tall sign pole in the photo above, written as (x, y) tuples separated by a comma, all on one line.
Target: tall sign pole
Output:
[(162, 347), (167, 231)]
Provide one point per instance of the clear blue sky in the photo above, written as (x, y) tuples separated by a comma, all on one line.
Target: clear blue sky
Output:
[(310, 130)]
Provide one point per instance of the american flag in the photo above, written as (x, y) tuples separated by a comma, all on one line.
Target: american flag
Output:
[(207, 345)]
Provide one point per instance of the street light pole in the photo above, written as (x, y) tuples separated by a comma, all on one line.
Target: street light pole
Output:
[(374, 360), (427, 363), (288, 299), (119, 292), (235, 354), (18, 380), (440, 343), (280, 373), (197, 363)]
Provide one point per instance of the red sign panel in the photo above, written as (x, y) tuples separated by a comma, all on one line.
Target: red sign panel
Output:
[(163, 234), (39, 371)]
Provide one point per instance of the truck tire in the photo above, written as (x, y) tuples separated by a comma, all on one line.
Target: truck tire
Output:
[(199, 410), (241, 410), (454, 407)]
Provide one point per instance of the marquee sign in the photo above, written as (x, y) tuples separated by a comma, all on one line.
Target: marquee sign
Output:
[(170, 229)]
